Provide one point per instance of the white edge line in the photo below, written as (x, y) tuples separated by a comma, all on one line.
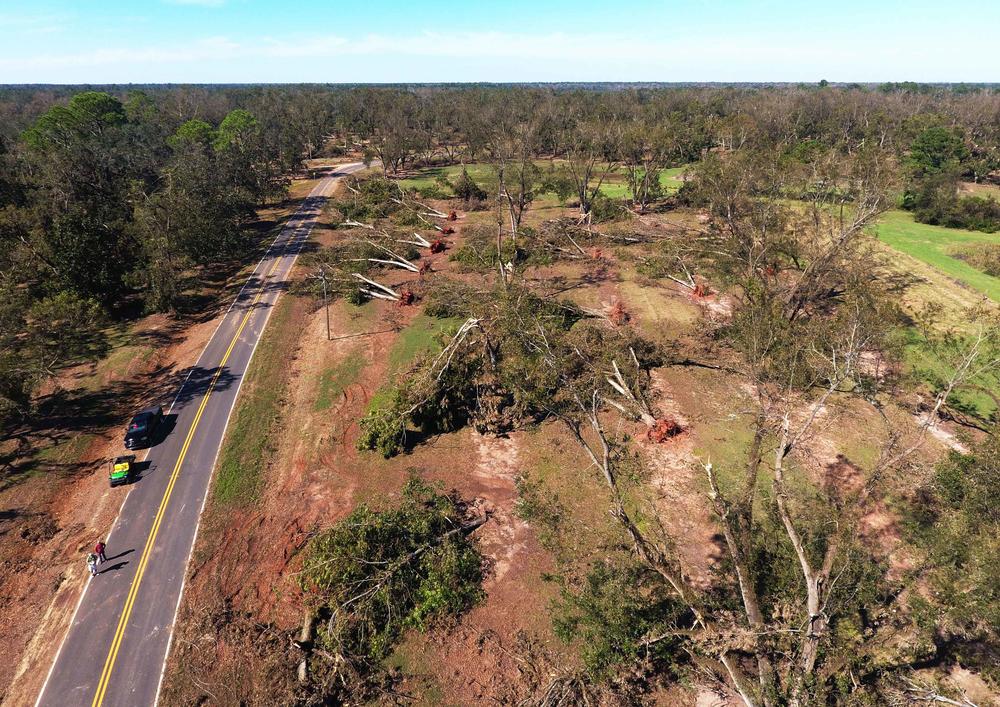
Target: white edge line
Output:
[(232, 406), (121, 509)]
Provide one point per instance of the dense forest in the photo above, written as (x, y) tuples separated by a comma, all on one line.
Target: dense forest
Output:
[(112, 200)]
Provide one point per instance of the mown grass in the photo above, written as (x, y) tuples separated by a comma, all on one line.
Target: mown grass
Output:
[(614, 186), (422, 337), (658, 316), (250, 437), (935, 245), (617, 188), (334, 381), (479, 171), (725, 442)]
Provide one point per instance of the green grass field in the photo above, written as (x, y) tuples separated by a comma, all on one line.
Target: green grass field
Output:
[(616, 187), (934, 245), (479, 171), (421, 337), (249, 440), (334, 381), (930, 366), (613, 187)]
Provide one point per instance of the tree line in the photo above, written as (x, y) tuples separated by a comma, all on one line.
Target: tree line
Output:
[(109, 203)]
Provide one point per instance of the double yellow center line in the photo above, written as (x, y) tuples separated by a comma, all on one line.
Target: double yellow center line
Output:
[(109, 663)]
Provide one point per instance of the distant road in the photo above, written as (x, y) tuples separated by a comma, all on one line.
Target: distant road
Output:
[(116, 647)]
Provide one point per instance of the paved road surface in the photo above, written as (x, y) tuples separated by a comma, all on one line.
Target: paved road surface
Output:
[(117, 645)]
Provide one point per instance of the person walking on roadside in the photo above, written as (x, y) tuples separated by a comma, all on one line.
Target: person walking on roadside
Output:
[(99, 551), (92, 564)]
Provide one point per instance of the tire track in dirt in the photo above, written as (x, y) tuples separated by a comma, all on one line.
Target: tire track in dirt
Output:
[(505, 536)]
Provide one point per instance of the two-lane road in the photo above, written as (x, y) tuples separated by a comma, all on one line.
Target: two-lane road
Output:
[(116, 647)]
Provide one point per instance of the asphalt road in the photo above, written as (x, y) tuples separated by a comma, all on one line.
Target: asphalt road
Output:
[(116, 647)]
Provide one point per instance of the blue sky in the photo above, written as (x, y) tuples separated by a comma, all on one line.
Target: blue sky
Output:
[(151, 41)]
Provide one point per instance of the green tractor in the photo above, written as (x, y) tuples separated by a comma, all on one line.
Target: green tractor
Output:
[(122, 470)]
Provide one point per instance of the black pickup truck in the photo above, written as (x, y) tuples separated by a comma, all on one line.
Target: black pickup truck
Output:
[(142, 428)]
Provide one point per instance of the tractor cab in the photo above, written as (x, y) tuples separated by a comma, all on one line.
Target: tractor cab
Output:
[(122, 470)]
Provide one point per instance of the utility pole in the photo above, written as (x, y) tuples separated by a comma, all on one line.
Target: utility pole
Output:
[(326, 302)]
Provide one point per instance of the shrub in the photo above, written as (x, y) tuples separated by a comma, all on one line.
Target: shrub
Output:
[(972, 213), (407, 217), (956, 521), (604, 209), (558, 181), (984, 257), (933, 200), (476, 205), (370, 199), (433, 191), (479, 251), (383, 428)]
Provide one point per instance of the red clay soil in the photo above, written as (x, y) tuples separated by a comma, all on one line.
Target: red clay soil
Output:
[(497, 653), (679, 498)]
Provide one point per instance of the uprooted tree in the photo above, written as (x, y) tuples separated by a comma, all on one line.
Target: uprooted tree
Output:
[(378, 222), (807, 612), (379, 572)]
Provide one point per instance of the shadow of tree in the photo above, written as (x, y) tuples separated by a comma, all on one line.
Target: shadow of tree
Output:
[(66, 414)]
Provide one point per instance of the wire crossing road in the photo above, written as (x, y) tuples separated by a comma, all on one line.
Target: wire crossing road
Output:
[(116, 647)]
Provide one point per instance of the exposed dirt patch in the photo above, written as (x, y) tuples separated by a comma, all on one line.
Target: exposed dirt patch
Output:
[(680, 503), (505, 537), (503, 650)]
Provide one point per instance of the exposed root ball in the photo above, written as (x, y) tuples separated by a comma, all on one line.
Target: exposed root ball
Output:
[(663, 430)]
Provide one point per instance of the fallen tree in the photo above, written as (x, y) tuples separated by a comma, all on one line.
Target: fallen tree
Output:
[(376, 574)]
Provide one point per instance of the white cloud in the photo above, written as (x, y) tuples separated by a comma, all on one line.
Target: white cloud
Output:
[(493, 45), (489, 56), (34, 24)]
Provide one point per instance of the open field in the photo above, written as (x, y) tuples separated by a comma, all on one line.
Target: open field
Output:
[(934, 245), (482, 173), (315, 462)]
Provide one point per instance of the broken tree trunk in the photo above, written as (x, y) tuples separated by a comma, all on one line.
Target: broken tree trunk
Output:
[(305, 643), (380, 291), (357, 224), (419, 241)]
